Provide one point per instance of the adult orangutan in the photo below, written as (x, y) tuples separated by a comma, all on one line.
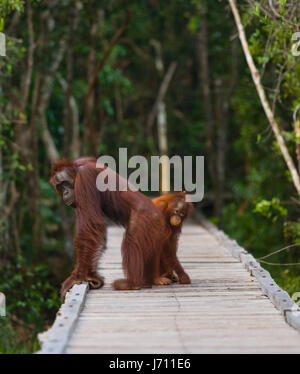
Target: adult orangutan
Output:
[(175, 209), (75, 183)]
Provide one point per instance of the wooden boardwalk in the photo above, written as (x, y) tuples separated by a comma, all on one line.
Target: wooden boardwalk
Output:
[(224, 310)]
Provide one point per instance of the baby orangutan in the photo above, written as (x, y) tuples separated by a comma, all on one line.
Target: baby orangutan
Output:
[(175, 209)]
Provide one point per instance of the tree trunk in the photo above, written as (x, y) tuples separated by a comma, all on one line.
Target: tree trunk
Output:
[(297, 133), (220, 151), (163, 146), (159, 111), (89, 133), (204, 79)]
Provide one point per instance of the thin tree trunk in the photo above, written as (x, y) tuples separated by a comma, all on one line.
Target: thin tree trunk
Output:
[(74, 120), (264, 101), (204, 78), (69, 75), (67, 221), (163, 146), (88, 125), (51, 149), (26, 134), (220, 151), (91, 62), (159, 111), (42, 104), (2, 189), (119, 104), (98, 114), (71, 129), (222, 104), (161, 94), (297, 133), (22, 129), (31, 47)]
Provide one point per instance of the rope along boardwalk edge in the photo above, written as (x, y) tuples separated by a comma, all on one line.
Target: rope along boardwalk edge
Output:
[(270, 288)]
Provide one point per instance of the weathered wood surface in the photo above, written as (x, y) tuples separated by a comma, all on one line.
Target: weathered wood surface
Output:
[(224, 310)]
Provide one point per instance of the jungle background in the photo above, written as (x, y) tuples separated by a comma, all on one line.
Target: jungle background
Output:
[(87, 77)]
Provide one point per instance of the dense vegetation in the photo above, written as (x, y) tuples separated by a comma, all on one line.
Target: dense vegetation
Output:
[(53, 51)]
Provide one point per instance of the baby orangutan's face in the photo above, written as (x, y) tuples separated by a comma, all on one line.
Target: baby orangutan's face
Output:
[(178, 212)]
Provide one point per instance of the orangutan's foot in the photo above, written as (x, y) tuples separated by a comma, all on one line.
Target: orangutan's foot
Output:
[(162, 281), (94, 280), (184, 278), (123, 284), (173, 277)]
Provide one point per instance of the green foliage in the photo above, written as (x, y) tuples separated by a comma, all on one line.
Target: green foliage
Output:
[(292, 231), (254, 232), (31, 295), (270, 209), (289, 280), (262, 217), (8, 6), (271, 44), (29, 292), (15, 339)]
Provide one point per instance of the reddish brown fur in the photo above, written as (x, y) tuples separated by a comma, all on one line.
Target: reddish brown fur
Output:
[(143, 239), (169, 261)]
